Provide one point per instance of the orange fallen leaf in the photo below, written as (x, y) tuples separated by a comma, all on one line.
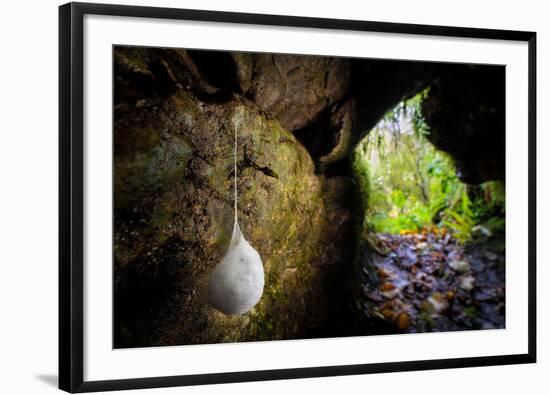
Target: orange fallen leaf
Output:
[(402, 321), (382, 273), (387, 313)]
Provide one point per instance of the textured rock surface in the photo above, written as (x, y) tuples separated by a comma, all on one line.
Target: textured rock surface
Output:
[(375, 87), (474, 98), (471, 96), (294, 89), (173, 219)]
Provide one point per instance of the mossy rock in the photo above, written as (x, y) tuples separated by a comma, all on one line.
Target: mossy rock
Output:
[(173, 199)]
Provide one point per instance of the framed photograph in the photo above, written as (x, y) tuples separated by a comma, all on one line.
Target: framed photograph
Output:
[(253, 197)]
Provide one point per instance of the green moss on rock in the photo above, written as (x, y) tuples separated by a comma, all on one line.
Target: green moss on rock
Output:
[(174, 217)]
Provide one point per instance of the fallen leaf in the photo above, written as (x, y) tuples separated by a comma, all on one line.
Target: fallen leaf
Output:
[(384, 273), (438, 302), (387, 314), (402, 321), (467, 283), (460, 266), (422, 246)]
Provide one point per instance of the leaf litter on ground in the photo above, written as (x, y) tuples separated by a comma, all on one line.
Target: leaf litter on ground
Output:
[(428, 282)]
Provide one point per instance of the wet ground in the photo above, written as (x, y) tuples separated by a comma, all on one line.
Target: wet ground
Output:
[(428, 282)]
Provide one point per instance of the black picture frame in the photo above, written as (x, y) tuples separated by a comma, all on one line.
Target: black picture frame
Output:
[(71, 172)]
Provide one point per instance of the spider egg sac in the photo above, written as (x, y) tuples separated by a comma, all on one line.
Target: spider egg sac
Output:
[(237, 283)]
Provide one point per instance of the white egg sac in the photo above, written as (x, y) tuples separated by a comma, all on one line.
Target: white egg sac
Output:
[(237, 283)]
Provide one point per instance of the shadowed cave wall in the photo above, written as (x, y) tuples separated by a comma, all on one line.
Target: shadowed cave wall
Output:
[(299, 118)]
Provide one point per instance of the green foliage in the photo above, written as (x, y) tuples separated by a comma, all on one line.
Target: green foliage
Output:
[(361, 172), (398, 198), (410, 185)]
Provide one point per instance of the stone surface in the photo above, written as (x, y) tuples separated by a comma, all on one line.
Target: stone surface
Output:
[(473, 98), (293, 89), (173, 213)]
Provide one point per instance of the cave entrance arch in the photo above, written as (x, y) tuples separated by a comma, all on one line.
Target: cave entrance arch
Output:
[(431, 246)]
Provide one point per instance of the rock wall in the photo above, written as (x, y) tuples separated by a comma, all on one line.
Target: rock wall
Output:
[(473, 97), (173, 195)]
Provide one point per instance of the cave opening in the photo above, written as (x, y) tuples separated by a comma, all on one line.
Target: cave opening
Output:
[(432, 247)]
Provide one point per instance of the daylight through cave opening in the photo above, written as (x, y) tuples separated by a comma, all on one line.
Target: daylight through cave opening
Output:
[(437, 242), (410, 186)]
